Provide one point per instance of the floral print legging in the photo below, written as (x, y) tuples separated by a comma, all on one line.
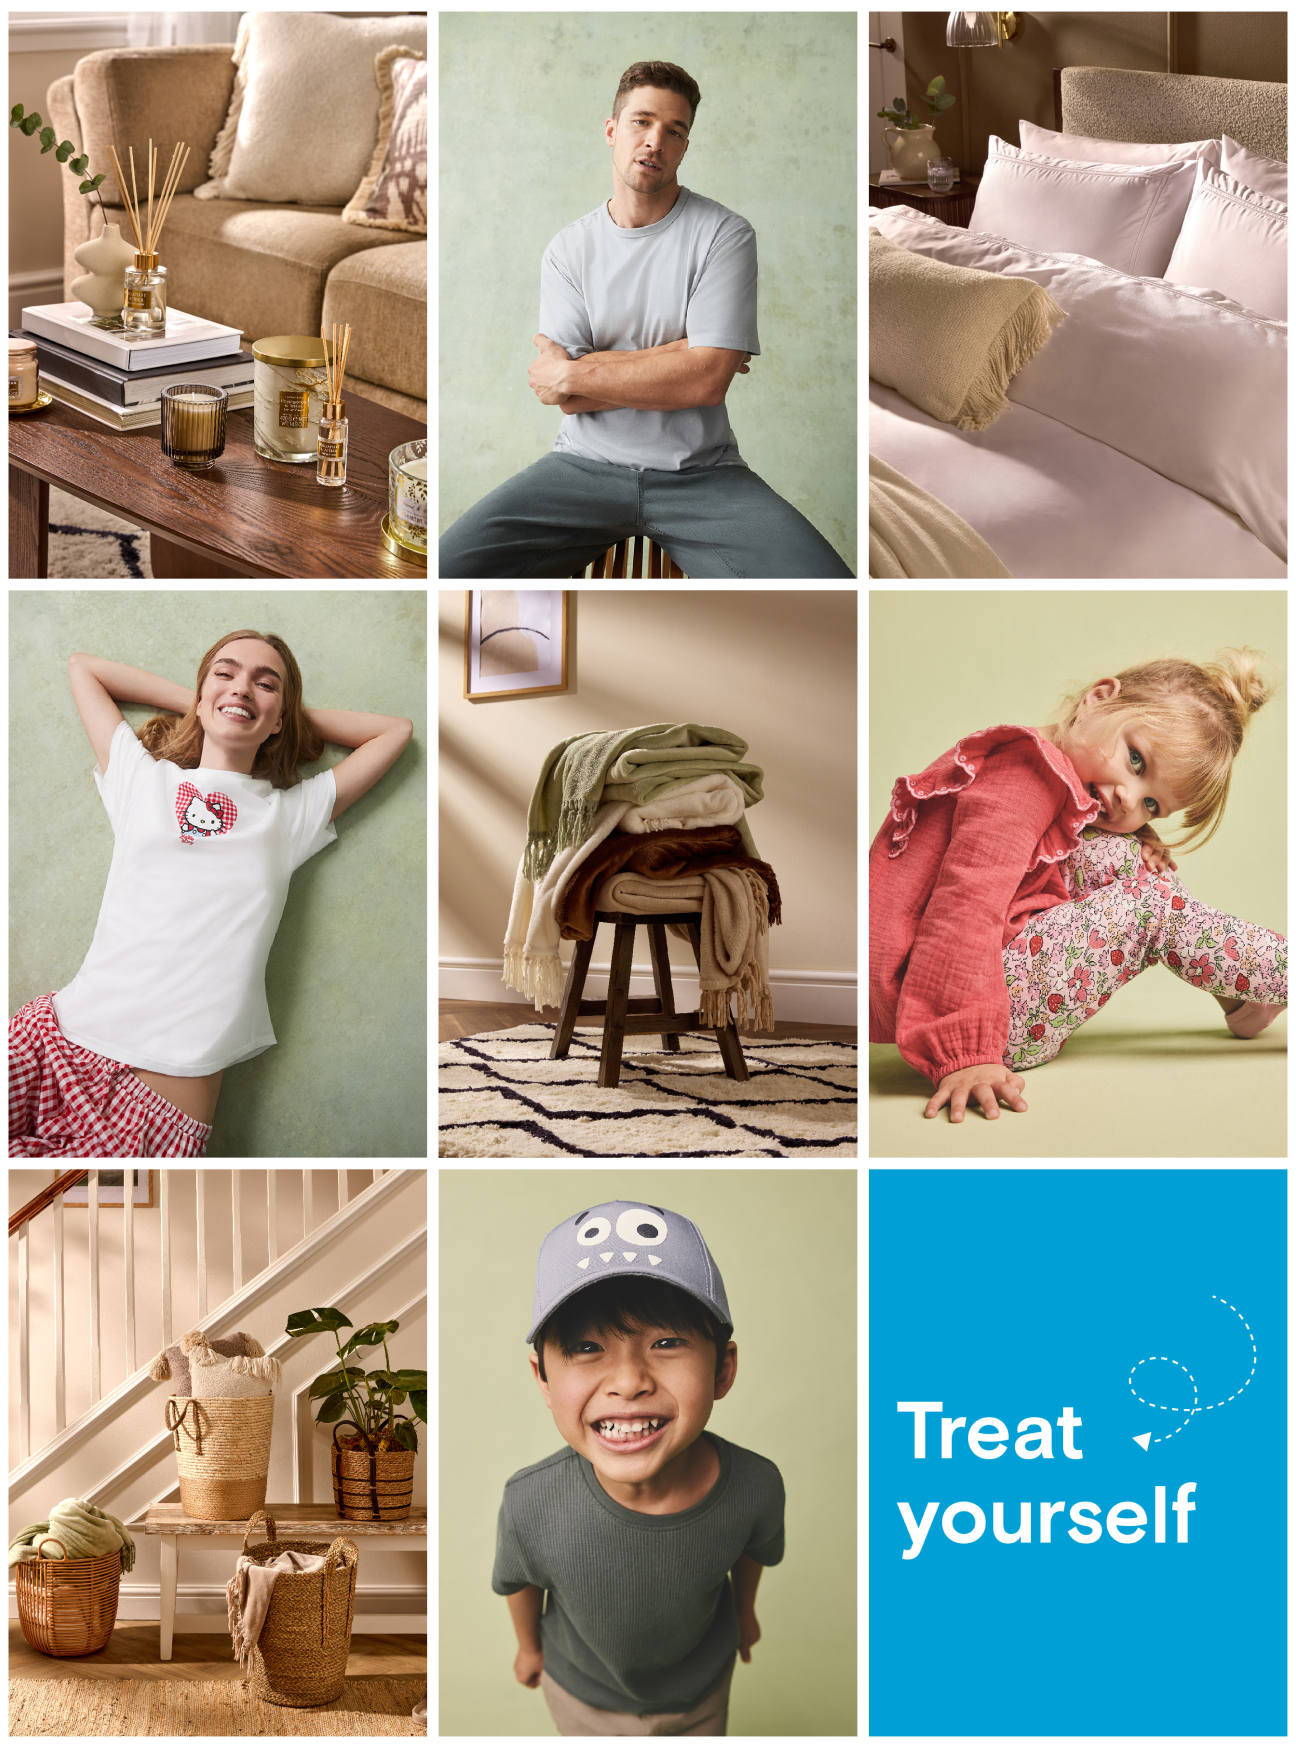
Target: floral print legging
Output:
[(1068, 961)]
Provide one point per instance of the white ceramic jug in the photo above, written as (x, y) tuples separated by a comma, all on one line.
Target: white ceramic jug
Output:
[(910, 149), (106, 258)]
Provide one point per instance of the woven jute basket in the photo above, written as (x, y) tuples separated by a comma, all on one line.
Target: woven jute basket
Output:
[(67, 1608), (222, 1452), (301, 1657), (371, 1488)]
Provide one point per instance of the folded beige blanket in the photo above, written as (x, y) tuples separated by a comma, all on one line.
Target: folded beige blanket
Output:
[(734, 934), (912, 534), (249, 1591), (712, 800), (951, 339)]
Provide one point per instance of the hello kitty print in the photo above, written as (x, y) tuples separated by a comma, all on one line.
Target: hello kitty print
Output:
[(203, 816)]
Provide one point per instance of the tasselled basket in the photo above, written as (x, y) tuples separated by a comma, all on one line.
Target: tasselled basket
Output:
[(67, 1608), (301, 1656), (222, 1448), (371, 1486)]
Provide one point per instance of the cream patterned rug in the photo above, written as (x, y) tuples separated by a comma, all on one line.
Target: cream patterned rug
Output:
[(502, 1098), (88, 542)]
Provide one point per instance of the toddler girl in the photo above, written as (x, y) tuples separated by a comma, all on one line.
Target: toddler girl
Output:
[(1019, 880)]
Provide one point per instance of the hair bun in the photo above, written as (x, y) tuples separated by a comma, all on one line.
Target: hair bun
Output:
[(1237, 676)]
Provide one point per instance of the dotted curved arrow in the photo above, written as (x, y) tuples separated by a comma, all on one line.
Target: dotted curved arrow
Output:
[(1197, 1408)]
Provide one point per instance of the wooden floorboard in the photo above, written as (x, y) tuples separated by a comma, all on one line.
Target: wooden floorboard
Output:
[(134, 1654), (464, 1019)]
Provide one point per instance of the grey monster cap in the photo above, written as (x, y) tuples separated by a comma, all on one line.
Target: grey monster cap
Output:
[(621, 1238)]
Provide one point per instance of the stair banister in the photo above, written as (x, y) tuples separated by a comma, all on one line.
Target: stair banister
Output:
[(272, 1219), (128, 1261), (236, 1203), (24, 1346), (39, 1202), (200, 1201), (60, 1336), (164, 1202), (92, 1214)]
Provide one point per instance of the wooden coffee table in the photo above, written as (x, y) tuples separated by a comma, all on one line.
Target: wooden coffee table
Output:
[(247, 517)]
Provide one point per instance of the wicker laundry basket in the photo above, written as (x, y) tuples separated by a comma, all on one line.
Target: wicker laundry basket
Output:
[(222, 1452), (371, 1487), (68, 1608), (301, 1657)]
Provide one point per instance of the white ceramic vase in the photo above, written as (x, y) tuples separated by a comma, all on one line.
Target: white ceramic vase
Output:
[(911, 148), (105, 258)]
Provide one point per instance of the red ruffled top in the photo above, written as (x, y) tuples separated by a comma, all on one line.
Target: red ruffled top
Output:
[(967, 855)]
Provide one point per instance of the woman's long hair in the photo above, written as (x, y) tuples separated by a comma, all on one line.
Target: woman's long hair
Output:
[(180, 738)]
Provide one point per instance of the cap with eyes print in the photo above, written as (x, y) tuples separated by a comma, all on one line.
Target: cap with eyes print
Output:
[(621, 1238)]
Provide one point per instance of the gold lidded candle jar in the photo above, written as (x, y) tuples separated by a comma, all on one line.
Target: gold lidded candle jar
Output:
[(290, 385), (24, 377), (145, 306), (407, 494)]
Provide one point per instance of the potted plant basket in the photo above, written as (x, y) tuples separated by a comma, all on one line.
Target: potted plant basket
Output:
[(373, 1464)]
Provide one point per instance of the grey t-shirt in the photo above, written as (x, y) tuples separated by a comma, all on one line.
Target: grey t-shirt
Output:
[(604, 288), (640, 1616)]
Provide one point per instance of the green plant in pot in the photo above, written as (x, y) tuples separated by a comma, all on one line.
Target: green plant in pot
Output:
[(105, 257), (372, 1397), (914, 144)]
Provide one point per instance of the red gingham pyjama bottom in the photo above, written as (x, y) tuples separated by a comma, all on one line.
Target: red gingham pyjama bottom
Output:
[(1068, 961), (66, 1102)]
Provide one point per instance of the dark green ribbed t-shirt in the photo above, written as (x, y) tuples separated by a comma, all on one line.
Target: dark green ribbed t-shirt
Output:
[(640, 1616)]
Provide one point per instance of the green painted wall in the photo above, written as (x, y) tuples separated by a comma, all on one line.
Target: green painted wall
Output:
[(785, 1244), (347, 978), (523, 100)]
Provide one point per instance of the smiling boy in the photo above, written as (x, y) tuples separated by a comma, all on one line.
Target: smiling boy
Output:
[(647, 312), (648, 1533)]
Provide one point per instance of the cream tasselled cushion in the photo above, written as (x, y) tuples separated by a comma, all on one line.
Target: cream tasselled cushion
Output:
[(303, 117), (951, 339)]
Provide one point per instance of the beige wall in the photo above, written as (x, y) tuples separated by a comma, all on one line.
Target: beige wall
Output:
[(36, 179), (1015, 82), (777, 667)]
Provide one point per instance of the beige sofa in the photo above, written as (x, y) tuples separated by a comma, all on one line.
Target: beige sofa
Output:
[(265, 268)]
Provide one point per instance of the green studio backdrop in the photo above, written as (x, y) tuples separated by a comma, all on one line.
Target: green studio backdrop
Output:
[(524, 96), (785, 1244), (346, 979), (944, 664)]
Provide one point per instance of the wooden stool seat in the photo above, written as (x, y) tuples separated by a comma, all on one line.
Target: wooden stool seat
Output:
[(620, 1015)]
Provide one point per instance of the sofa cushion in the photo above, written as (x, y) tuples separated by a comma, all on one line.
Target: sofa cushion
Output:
[(303, 118), (393, 196), (383, 294), (258, 267)]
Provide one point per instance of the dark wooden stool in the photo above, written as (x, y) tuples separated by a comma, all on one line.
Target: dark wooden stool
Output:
[(621, 1015)]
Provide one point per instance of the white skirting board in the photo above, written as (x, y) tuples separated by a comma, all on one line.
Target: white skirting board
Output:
[(829, 997), (201, 1608)]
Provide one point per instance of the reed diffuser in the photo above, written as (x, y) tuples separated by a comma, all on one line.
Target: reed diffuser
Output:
[(330, 468), (144, 311)]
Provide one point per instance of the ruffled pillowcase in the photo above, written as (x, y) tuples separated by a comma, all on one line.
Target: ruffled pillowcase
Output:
[(1235, 241), (1127, 216), (950, 339), (393, 196)]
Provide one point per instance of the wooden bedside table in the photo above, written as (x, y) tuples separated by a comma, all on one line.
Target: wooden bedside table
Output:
[(954, 208)]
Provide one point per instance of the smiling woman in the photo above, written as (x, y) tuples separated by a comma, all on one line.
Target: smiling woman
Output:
[(210, 819)]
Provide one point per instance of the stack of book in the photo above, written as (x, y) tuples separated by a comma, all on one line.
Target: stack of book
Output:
[(117, 376)]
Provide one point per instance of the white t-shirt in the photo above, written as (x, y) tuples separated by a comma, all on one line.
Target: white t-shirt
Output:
[(175, 977), (605, 287)]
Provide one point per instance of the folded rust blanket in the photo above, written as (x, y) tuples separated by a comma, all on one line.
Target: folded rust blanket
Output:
[(666, 855)]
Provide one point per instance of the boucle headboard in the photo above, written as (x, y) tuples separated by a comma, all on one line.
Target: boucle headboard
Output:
[(1111, 103)]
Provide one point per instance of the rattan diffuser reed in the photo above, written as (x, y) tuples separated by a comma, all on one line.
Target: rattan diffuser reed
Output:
[(145, 222), (335, 361)]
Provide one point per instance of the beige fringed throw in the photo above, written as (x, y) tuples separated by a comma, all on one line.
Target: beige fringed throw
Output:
[(249, 1591), (951, 339), (912, 534), (734, 934)]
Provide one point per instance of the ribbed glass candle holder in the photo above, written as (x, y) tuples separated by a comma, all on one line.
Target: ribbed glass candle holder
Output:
[(193, 424)]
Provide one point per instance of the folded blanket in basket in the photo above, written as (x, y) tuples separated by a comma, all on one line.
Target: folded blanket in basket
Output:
[(645, 762), (531, 962), (661, 855), (84, 1530), (733, 934), (249, 1591)]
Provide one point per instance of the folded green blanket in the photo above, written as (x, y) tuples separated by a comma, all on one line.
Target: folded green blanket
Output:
[(642, 762), (84, 1530)]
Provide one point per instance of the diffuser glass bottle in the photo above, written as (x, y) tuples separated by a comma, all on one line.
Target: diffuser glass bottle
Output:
[(331, 465), (144, 310)]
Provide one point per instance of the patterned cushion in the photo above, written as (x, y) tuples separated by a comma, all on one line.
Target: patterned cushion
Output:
[(393, 196), (228, 1365)]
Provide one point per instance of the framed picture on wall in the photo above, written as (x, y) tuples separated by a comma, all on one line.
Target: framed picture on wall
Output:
[(110, 1190), (515, 643)]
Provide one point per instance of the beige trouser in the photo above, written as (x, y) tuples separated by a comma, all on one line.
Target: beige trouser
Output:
[(574, 1718)]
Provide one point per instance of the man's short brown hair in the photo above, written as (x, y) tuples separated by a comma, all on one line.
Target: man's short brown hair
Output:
[(666, 76)]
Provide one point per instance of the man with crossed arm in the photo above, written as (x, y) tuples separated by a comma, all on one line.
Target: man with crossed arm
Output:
[(647, 312)]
